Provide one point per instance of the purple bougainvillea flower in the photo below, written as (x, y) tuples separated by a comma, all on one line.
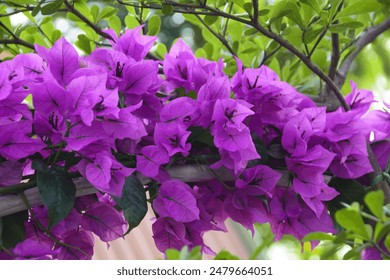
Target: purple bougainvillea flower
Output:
[(125, 126), (289, 216), (90, 98), (62, 60), (82, 136), (32, 249), (214, 89), (351, 166), (150, 160), (169, 234), (230, 112), (245, 209), (258, 180), (296, 134), (10, 173), (172, 136), (104, 221), (359, 100), (316, 117), (82, 245), (178, 110), (312, 164), (15, 142), (132, 43), (105, 173), (139, 78), (238, 160), (49, 97), (177, 201)]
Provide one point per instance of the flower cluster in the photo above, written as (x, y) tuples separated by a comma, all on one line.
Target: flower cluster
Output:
[(115, 114)]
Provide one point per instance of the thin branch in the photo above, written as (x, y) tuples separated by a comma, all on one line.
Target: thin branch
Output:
[(17, 41), (227, 21), (219, 37), (13, 13), (368, 37), (334, 61), (255, 4), (323, 32), (86, 21), (269, 55)]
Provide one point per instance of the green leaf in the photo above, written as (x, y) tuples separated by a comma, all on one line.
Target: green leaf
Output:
[(133, 201), (318, 236), (377, 180), (342, 27), (131, 22), (107, 12), (154, 25), (115, 23), (359, 7), (248, 7), (209, 20), (51, 8), (352, 221), (56, 35), (167, 9), (374, 201), (57, 190), (312, 34), (13, 229), (84, 43), (95, 13), (161, 50), (312, 4), (225, 255)]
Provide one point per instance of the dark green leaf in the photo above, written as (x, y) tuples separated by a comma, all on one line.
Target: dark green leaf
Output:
[(342, 27), (250, 31), (225, 255), (350, 191), (167, 9), (154, 25), (13, 229), (375, 200), (359, 7), (263, 12), (209, 20), (318, 236), (248, 7), (58, 192), (352, 221), (133, 201), (51, 8)]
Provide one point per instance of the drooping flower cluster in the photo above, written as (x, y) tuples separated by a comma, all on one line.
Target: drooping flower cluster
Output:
[(117, 115)]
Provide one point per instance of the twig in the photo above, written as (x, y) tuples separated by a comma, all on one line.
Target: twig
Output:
[(335, 56), (368, 37), (219, 37), (86, 21), (255, 4), (16, 40)]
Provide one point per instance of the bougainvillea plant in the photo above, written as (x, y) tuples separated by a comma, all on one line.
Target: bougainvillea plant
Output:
[(111, 114), (125, 123)]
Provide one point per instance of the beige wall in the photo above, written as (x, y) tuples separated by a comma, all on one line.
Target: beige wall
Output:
[(139, 244)]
